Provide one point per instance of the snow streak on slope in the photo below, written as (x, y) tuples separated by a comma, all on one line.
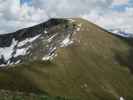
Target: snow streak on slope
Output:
[(67, 41), (28, 40)]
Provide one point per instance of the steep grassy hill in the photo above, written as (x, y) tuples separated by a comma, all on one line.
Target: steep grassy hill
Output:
[(97, 66)]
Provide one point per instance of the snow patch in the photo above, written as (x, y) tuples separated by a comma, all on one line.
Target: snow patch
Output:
[(46, 58), (3, 65), (28, 40), (7, 51), (45, 31), (71, 20), (67, 41), (52, 50), (51, 38), (121, 98), (21, 52), (18, 62), (79, 27), (49, 57)]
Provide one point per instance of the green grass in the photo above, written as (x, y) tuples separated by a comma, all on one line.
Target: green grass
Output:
[(9, 95), (96, 67)]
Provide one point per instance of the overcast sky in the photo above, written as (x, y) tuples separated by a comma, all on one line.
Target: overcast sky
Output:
[(110, 14)]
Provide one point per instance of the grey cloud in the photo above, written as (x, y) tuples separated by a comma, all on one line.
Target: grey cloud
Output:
[(14, 16), (65, 8)]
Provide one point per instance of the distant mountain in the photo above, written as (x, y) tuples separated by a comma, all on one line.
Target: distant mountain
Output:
[(121, 33)]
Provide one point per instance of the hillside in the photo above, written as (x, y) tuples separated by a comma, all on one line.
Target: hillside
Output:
[(96, 66)]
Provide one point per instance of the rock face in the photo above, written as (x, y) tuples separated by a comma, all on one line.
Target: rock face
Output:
[(35, 43)]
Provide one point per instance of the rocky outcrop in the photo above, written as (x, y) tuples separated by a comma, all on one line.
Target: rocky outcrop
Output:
[(35, 43)]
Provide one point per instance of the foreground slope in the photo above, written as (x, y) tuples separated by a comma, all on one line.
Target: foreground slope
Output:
[(95, 67)]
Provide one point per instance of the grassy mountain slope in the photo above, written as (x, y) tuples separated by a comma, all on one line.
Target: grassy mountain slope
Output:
[(96, 67)]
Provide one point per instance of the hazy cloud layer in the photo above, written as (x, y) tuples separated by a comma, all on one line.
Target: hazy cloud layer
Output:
[(14, 15), (114, 20)]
